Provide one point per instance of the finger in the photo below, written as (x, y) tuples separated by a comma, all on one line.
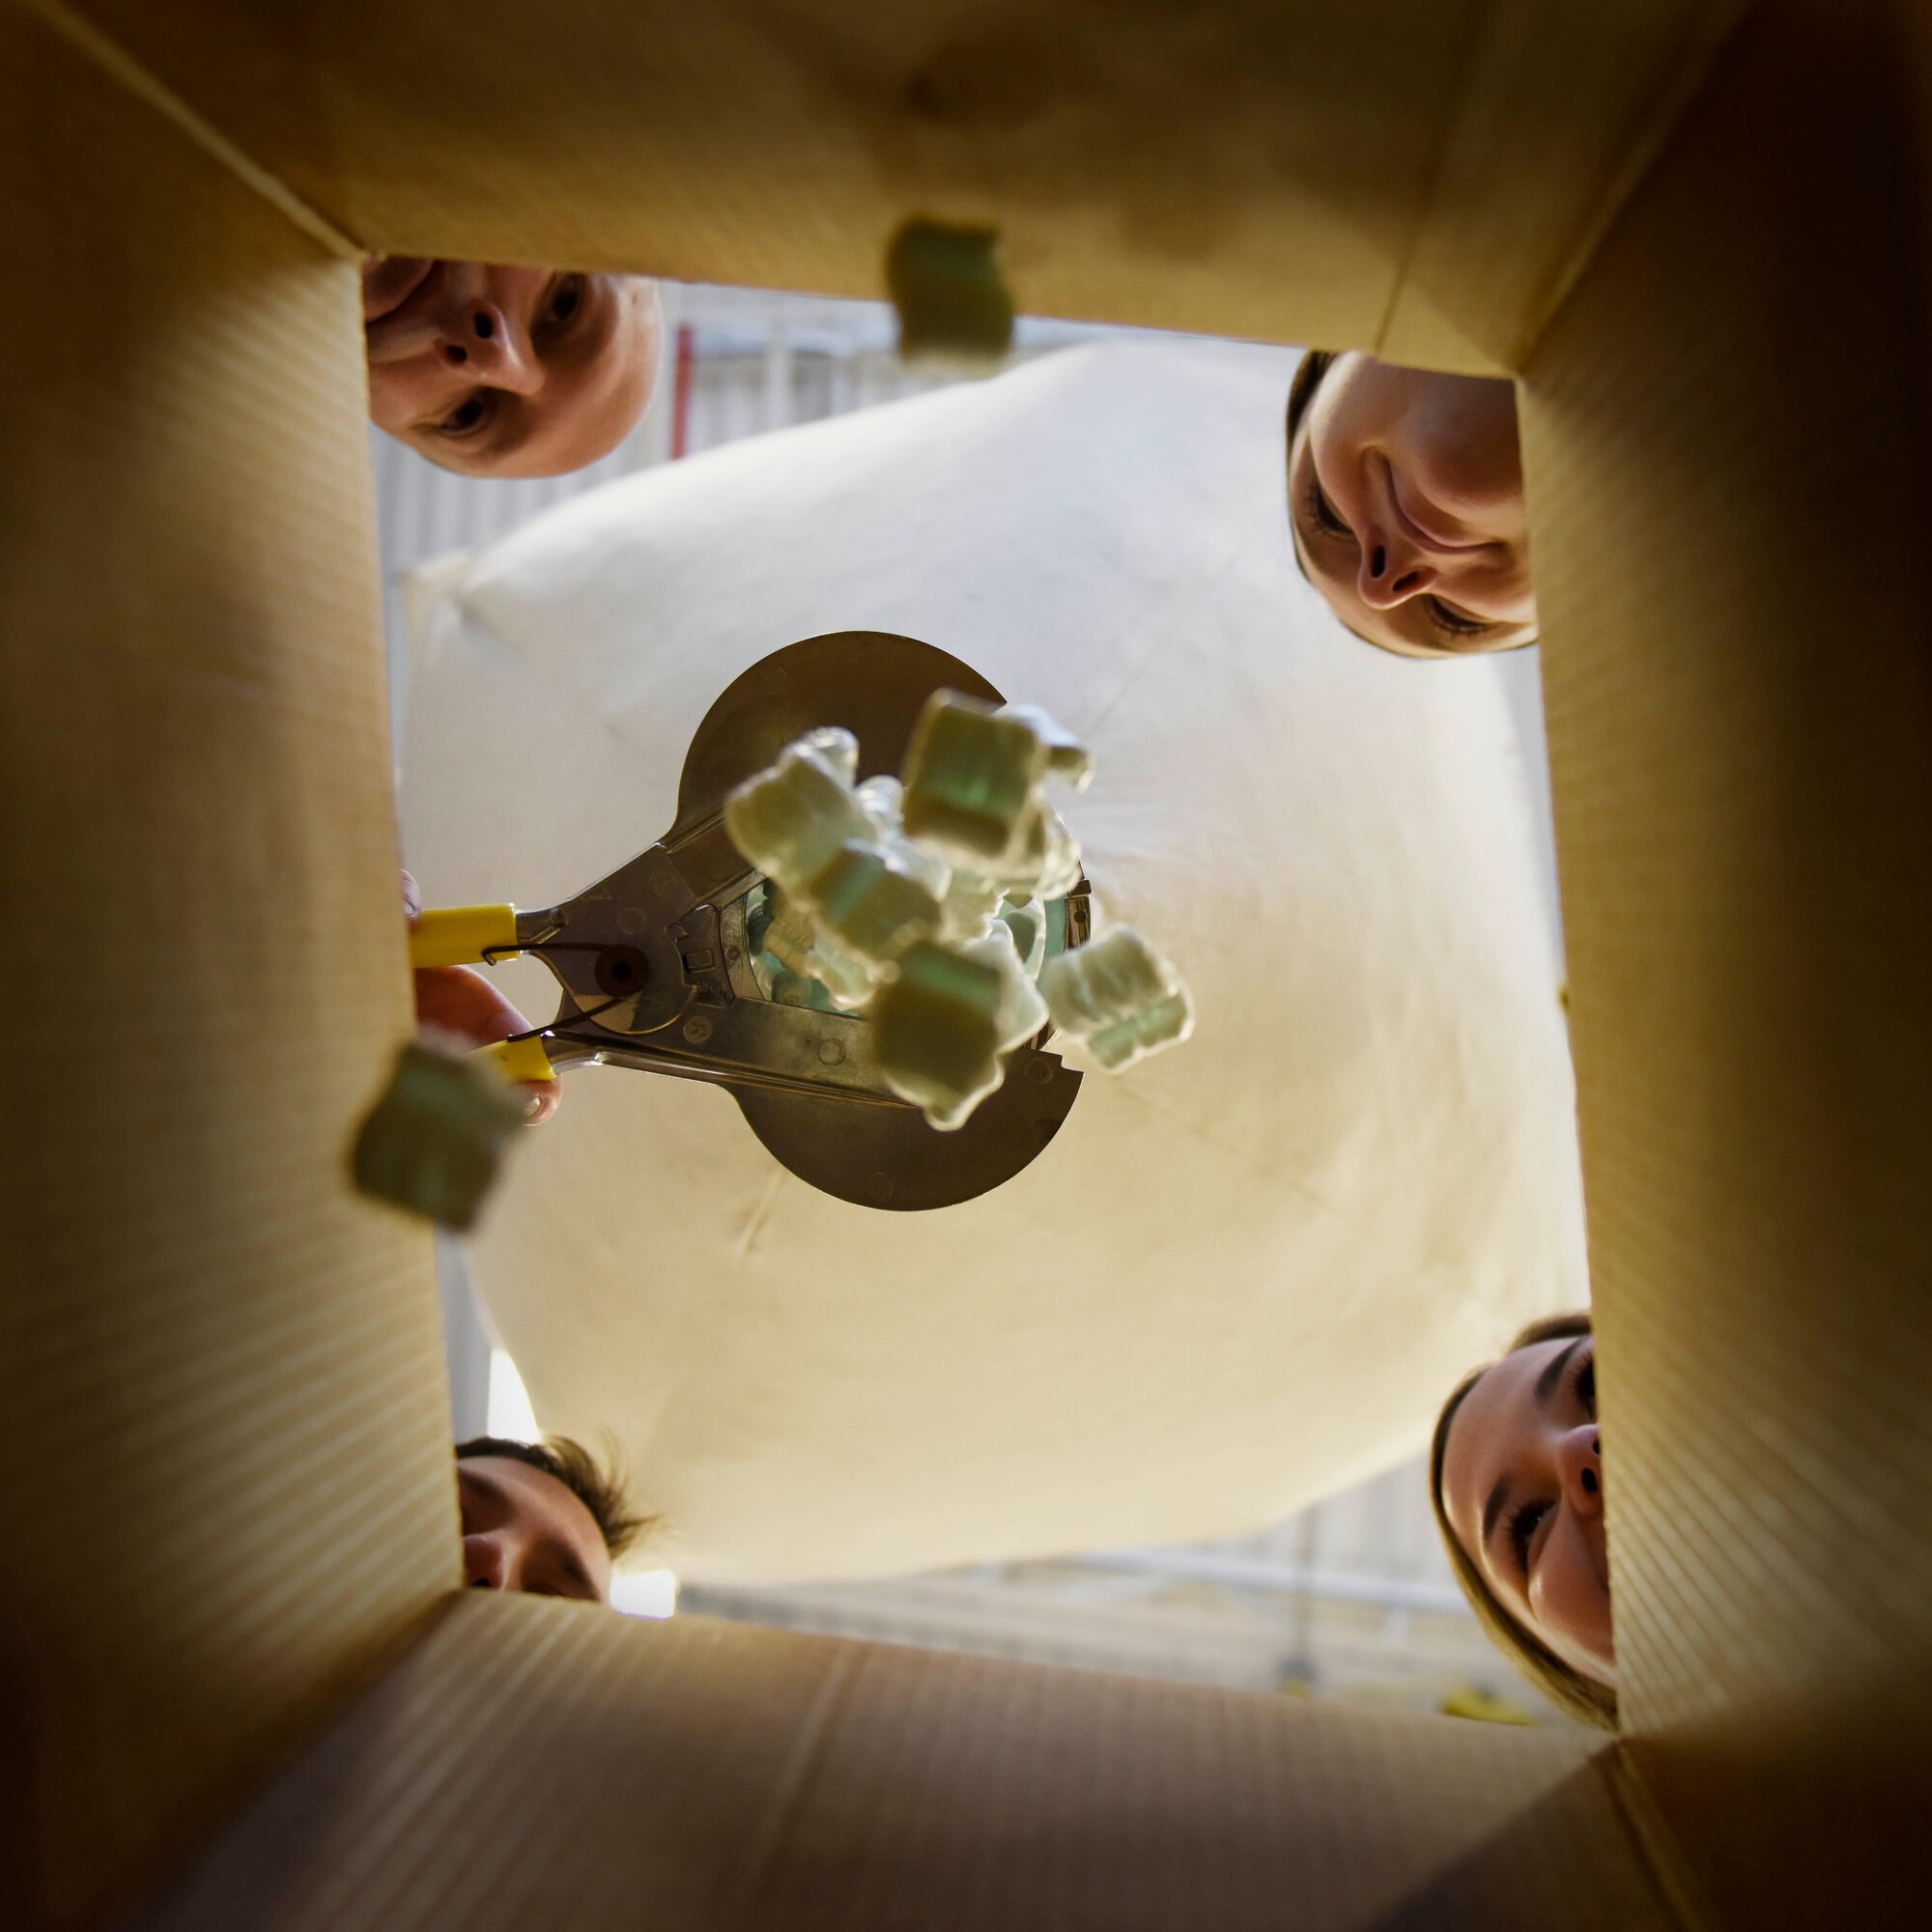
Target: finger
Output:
[(454, 1000), (412, 900)]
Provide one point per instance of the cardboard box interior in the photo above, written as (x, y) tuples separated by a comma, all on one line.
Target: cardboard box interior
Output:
[(1700, 240)]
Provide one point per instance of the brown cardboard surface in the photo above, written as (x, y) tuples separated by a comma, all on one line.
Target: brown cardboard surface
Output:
[(537, 1764), (1336, 172), (1725, 440), (1552, 127), (222, 1375)]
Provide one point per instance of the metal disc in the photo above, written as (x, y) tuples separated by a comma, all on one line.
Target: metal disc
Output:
[(889, 1157), (874, 682)]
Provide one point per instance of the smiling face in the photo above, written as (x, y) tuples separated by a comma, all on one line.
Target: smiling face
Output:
[(524, 1530), (1523, 1486), (1406, 499), (508, 372)]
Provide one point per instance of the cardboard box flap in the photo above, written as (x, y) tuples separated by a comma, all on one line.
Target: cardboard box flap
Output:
[(532, 1764), (1345, 174), (1562, 109), (1725, 432), (222, 1371)]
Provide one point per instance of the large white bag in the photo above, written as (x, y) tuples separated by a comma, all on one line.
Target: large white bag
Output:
[(1243, 1274)]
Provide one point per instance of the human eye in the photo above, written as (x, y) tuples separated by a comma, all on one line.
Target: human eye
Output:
[(1321, 512), (1586, 1383), (1523, 1523), (1454, 623), (466, 417), (565, 302)]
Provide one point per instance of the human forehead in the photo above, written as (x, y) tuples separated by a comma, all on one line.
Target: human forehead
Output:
[(1495, 1417)]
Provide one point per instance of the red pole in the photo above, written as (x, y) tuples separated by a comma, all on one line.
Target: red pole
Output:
[(680, 395)]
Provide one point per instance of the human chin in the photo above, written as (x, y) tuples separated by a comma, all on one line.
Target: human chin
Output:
[(1597, 1660), (1577, 1626)]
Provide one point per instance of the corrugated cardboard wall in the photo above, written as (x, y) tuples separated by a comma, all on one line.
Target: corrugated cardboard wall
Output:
[(230, 1490), (1335, 171), (1726, 444), (538, 1764)]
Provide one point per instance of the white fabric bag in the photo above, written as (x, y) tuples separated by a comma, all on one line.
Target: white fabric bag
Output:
[(1244, 1274)]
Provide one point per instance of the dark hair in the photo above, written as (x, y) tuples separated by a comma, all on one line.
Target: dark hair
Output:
[(1563, 1683), (599, 1490), (1315, 365)]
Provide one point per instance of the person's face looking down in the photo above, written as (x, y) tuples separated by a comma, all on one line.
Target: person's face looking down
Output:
[(524, 1530), (1523, 1486), (1404, 490), (508, 372)]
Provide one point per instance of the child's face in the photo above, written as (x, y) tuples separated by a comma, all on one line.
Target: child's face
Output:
[(1405, 498), (1523, 1486), (508, 372)]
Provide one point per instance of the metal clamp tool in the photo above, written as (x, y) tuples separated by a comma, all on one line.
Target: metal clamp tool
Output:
[(655, 962)]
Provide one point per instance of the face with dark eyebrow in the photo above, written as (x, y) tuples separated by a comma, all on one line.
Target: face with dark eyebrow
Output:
[(1405, 502), (1523, 1486), (524, 1530), (508, 372)]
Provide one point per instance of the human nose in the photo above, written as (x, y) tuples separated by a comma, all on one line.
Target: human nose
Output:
[(1579, 1468), (486, 1564), (482, 341), (1392, 569)]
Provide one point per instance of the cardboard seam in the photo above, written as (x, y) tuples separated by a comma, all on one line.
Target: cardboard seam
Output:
[(1425, 212), (1653, 1841), (794, 1778), (1654, 132), (165, 1873), (121, 66)]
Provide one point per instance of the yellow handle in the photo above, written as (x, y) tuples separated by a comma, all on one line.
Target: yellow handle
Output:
[(522, 1059), (461, 934)]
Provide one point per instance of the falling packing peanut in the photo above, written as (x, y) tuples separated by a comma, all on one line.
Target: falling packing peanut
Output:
[(1118, 998), (936, 1028), (869, 904), (922, 902), (972, 779), (435, 1139), (791, 819)]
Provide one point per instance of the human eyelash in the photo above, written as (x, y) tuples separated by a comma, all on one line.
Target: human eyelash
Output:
[(1452, 623), (1323, 513), (1522, 1527), (466, 419), (1586, 1385)]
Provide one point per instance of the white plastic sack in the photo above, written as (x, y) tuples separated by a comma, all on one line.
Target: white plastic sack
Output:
[(1244, 1274)]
